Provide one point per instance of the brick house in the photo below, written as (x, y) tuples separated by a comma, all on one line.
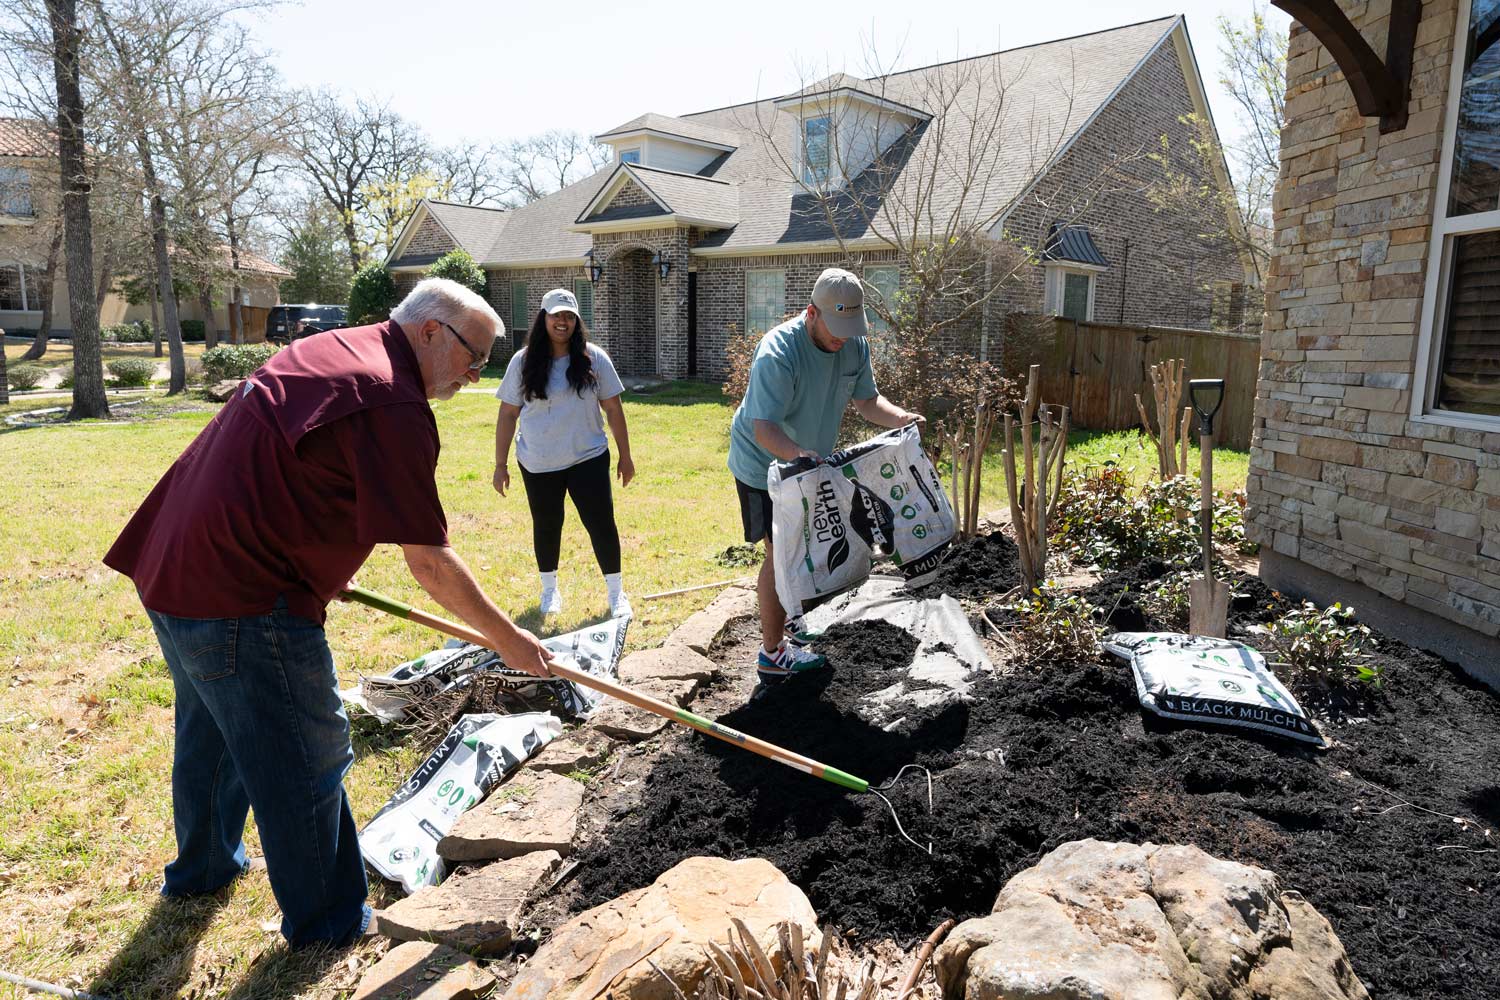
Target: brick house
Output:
[(715, 221), (1375, 467)]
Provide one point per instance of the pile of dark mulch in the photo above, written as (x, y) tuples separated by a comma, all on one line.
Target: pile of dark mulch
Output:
[(978, 567), (1044, 758)]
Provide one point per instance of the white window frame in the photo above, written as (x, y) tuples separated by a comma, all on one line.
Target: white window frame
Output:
[(878, 325), (1434, 303), (1055, 284), (26, 303), (765, 270), (637, 150), (808, 179), (24, 173)]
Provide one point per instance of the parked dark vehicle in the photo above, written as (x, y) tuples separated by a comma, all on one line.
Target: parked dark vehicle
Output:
[(285, 323)]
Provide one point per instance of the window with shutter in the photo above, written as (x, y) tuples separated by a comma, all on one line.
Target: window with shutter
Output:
[(583, 291)]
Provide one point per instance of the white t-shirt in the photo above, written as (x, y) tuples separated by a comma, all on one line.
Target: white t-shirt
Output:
[(565, 428)]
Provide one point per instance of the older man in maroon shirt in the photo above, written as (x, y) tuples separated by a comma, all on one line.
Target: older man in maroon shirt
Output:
[(328, 450)]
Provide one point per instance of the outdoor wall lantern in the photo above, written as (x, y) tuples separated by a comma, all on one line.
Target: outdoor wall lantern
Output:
[(596, 269), (1207, 395), (662, 264)]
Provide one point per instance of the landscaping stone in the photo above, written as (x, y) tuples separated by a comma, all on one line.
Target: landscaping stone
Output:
[(477, 911), (670, 922), (701, 629), (576, 751), (533, 811), (1098, 919), (221, 391), (673, 663), (629, 724), (424, 970)]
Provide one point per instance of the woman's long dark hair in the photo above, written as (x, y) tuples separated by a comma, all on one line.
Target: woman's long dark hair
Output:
[(537, 364)]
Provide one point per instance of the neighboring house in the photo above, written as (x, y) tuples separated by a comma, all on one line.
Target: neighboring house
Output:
[(1375, 471), (699, 226), (29, 216)]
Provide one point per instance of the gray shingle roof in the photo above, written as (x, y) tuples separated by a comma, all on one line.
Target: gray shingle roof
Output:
[(472, 227), (1050, 90), (1072, 243), (676, 126)]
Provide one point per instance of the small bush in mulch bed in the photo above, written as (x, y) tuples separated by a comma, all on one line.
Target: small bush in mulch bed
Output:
[(1390, 833)]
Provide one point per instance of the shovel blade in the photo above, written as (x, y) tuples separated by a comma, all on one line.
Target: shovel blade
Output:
[(1208, 607)]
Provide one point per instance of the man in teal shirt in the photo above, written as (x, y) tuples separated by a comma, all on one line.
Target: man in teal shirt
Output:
[(805, 372)]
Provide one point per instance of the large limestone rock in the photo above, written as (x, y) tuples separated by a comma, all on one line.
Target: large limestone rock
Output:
[(671, 663), (422, 970), (570, 753), (701, 629), (621, 721), (533, 811), (477, 911), (670, 922), (221, 391), (1099, 920)]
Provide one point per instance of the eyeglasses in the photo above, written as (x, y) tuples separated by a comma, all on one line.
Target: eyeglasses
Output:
[(479, 359)]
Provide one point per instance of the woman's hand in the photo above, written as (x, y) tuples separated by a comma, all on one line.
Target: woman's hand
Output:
[(625, 469), (502, 479)]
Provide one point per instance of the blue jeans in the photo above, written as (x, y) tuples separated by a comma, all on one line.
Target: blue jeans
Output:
[(259, 725)]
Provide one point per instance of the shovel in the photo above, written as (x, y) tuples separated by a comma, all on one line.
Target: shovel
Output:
[(1208, 599), (646, 703)]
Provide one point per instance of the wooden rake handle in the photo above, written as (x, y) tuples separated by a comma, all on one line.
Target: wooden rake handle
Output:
[(644, 702)]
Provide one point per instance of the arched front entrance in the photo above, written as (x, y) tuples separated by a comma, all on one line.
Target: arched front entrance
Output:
[(631, 281)]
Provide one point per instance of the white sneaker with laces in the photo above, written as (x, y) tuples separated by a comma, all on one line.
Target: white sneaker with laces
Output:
[(551, 601), (619, 606)]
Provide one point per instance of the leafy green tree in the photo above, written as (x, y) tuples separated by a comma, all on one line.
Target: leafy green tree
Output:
[(372, 295), (457, 265), (318, 259)]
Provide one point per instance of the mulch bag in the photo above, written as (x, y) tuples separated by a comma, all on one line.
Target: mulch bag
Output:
[(476, 755), (1204, 679), (594, 650), (832, 520)]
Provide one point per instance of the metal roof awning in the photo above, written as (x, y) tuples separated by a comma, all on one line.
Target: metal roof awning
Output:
[(1074, 245)]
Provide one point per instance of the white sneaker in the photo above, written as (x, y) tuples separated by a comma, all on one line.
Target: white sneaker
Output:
[(551, 601), (619, 607)]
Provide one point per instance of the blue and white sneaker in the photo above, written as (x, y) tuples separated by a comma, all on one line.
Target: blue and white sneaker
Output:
[(772, 668)]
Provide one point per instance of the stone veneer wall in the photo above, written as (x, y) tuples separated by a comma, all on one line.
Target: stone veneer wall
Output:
[(1341, 479)]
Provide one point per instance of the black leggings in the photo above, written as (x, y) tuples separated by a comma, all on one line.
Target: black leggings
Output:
[(588, 484)]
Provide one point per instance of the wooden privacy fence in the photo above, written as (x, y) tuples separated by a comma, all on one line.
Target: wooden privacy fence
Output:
[(1097, 370)]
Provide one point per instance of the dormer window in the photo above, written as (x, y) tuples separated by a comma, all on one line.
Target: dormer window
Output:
[(630, 155), (817, 134), (15, 192)]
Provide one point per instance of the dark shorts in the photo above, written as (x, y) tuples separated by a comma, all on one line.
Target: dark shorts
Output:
[(755, 511)]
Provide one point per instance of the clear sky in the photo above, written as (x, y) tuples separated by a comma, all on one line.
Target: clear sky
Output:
[(504, 69)]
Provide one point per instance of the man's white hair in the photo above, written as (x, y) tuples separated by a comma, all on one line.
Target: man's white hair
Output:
[(445, 301)]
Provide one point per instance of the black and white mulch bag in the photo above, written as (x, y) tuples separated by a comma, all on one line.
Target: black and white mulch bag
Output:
[(832, 520), (595, 650), (1217, 681), (476, 755)]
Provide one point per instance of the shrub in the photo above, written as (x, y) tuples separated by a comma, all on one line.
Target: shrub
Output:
[(1102, 518), (457, 265), (1052, 627), (371, 296), (192, 331), (132, 372), (26, 376), (66, 382), (193, 371), (1324, 646), (235, 360), (127, 333)]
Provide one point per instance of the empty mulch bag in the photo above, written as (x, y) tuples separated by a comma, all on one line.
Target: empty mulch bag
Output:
[(595, 650), (832, 520), (1217, 681), (478, 752)]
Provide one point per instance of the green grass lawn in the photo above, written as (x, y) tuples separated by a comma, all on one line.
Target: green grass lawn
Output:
[(60, 352), (86, 722)]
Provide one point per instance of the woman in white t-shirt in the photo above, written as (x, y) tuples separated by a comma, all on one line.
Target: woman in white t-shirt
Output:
[(554, 391)]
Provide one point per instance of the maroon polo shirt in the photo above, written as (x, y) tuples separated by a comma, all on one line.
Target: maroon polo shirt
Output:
[(327, 450)]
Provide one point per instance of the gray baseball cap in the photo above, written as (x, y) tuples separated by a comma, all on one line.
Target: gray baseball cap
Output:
[(840, 298), (560, 300)]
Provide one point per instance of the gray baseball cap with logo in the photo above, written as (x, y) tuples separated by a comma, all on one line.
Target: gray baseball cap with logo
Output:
[(560, 300), (840, 298)]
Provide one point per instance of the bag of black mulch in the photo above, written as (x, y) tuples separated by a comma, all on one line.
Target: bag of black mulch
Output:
[(1217, 681), (833, 519)]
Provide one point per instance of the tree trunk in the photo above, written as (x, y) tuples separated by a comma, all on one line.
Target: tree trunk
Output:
[(236, 318), (353, 241), (178, 366), (106, 277), (48, 284), (155, 322), (210, 325), (89, 399)]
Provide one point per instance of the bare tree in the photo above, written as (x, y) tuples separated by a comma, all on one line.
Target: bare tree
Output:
[(339, 148), (471, 173), (536, 166), (89, 399)]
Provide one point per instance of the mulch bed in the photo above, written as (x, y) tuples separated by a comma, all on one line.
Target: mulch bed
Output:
[(1365, 830)]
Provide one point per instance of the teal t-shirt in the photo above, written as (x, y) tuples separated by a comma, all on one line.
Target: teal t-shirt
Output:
[(801, 387)]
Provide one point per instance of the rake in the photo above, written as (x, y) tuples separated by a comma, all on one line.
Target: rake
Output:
[(672, 713)]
